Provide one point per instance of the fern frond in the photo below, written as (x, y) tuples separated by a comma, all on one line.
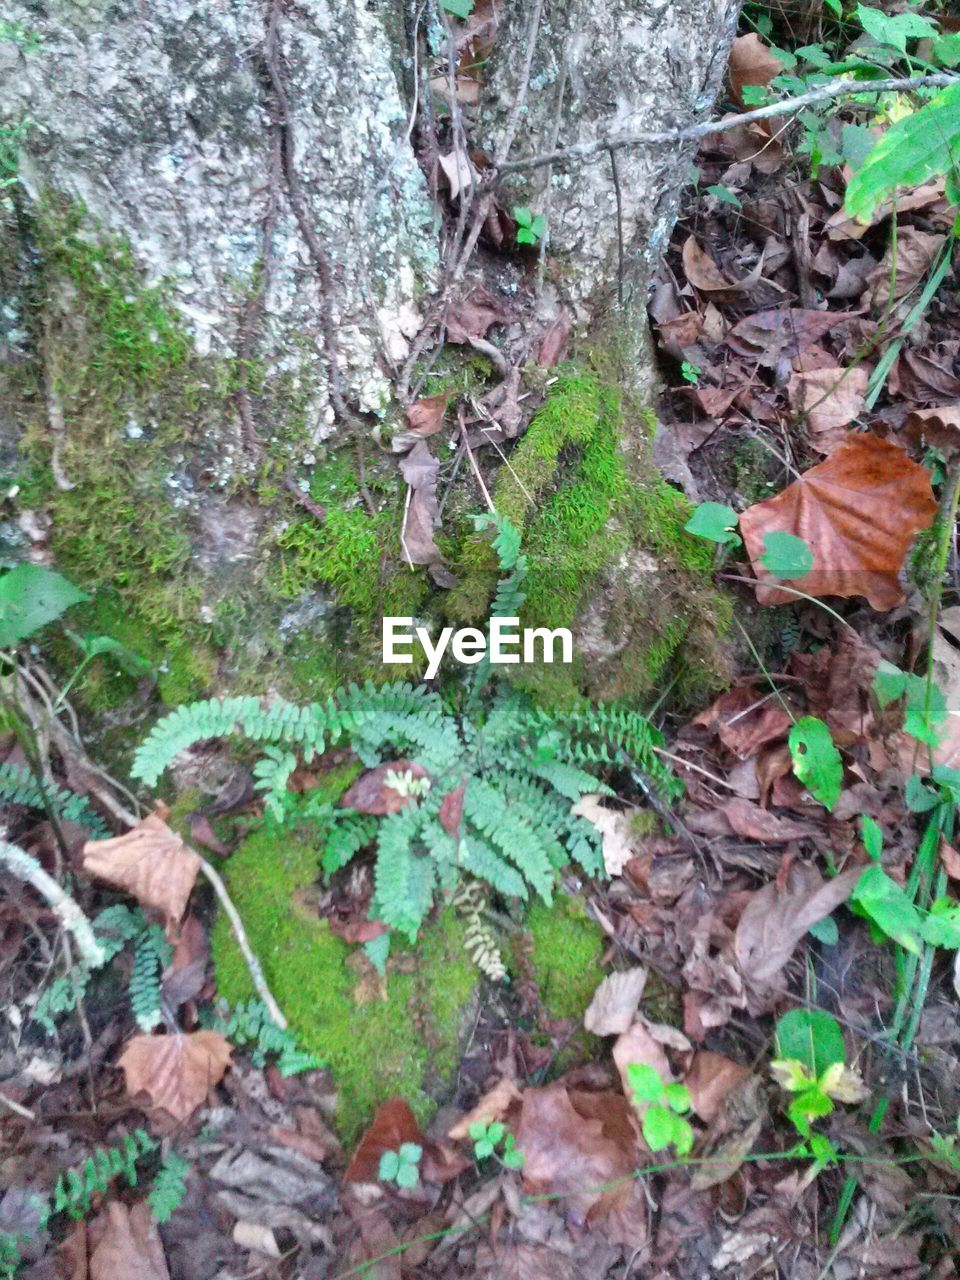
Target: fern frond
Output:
[(480, 859), (478, 938), (169, 1187), (487, 810), (18, 786), (405, 879), (348, 835), (151, 956)]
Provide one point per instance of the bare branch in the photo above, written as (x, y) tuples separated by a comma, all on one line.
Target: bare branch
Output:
[(786, 107), (20, 864)]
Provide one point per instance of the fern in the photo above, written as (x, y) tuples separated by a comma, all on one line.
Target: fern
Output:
[(18, 786), (152, 955), (249, 1024), (523, 769), (478, 939), (75, 1188), (169, 1187)]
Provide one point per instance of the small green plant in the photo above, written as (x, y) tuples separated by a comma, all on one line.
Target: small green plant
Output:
[(249, 1024), (530, 226), (716, 522), (402, 1166), (810, 1065), (487, 1137), (662, 1122), (74, 1190), (459, 8), (816, 760), (690, 372), (169, 1187)]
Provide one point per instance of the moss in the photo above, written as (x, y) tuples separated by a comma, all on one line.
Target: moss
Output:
[(408, 1043), (567, 950)]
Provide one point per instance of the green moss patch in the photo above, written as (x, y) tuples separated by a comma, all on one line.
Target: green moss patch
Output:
[(407, 1044), (567, 950)]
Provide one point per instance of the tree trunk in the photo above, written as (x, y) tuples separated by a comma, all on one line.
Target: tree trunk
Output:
[(227, 246)]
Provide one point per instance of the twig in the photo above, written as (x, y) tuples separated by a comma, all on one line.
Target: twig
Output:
[(17, 1107), (619, 198), (253, 964), (473, 464), (316, 510), (788, 106), (26, 868)]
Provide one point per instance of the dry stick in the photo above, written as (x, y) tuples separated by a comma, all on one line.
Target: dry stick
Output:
[(789, 106), (253, 964), (316, 510), (17, 1107), (20, 864)]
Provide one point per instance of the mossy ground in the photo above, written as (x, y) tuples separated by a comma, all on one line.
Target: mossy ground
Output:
[(407, 1044)]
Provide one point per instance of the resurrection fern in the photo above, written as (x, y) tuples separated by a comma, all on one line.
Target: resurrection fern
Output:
[(18, 786), (478, 939), (521, 768), (169, 1187), (249, 1024)]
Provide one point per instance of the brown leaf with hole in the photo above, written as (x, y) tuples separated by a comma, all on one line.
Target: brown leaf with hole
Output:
[(710, 1079), (129, 1247), (828, 399), (175, 1071), (393, 1124), (751, 63), (614, 1003), (858, 512), (150, 862), (425, 416), (474, 314), (775, 920), (371, 793)]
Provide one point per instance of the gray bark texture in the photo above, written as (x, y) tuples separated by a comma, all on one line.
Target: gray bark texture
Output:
[(270, 171)]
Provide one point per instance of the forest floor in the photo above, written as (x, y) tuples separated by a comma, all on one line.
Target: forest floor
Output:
[(771, 1085)]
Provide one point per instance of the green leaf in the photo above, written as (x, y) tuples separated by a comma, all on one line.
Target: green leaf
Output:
[(926, 711), (678, 1097), (725, 194), (713, 521), (645, 1082), (659, 1127), (822, 1149), (410, 1152), (523, 216), (513, 1159), (872, 836), (917, 796), (477, 1130), (825, 931), (389, 1166), (835, 7), (889, 683), (31, 595), (526, 235), (812, 1037), (885, 903), (377, 951), (895, 31), (946, 49), (912, 151), (941, 928), (459, 8), (127, 660), (496, 1132), (816, 760), (483, 1148), (786, 555), (856, 143), (408, 1175), (807, 1106), (538, 225)]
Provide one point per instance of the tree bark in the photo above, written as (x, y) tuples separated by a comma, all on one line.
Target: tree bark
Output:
[(226, 243)]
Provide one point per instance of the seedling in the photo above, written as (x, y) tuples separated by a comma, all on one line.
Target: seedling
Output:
[(690, 372), (487, 1137), (401, 1166), (714, 521), (662, 1122), (811, 1067), (530, 226)]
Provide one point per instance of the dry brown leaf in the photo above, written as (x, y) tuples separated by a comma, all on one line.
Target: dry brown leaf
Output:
[(939, 427), (711, 1078), (920, 377), (744, 818), (474, 314), (372, 794), (701, 270), (421, 470), (451, 810), (495, 1104), (751, 62), (175, 1071), (616, 837), (425, 416), (774, 920), (915, 252), (828, 398), (858, 512), (130, 1247), (393, 1124), (459, 172), (950, 860), (614, 1003), (574, 1143), (553, 344), (150, 862), (780, 334)]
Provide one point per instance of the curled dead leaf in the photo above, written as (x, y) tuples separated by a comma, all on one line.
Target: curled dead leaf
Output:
[(175, 1071), (751, 63), (858, 512), (425, 416), (614, 1003), (495, 1104)]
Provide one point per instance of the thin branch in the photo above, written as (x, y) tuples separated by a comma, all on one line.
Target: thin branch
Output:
[(253, 964), (26, 868), (788, 106), (17, 1107)]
